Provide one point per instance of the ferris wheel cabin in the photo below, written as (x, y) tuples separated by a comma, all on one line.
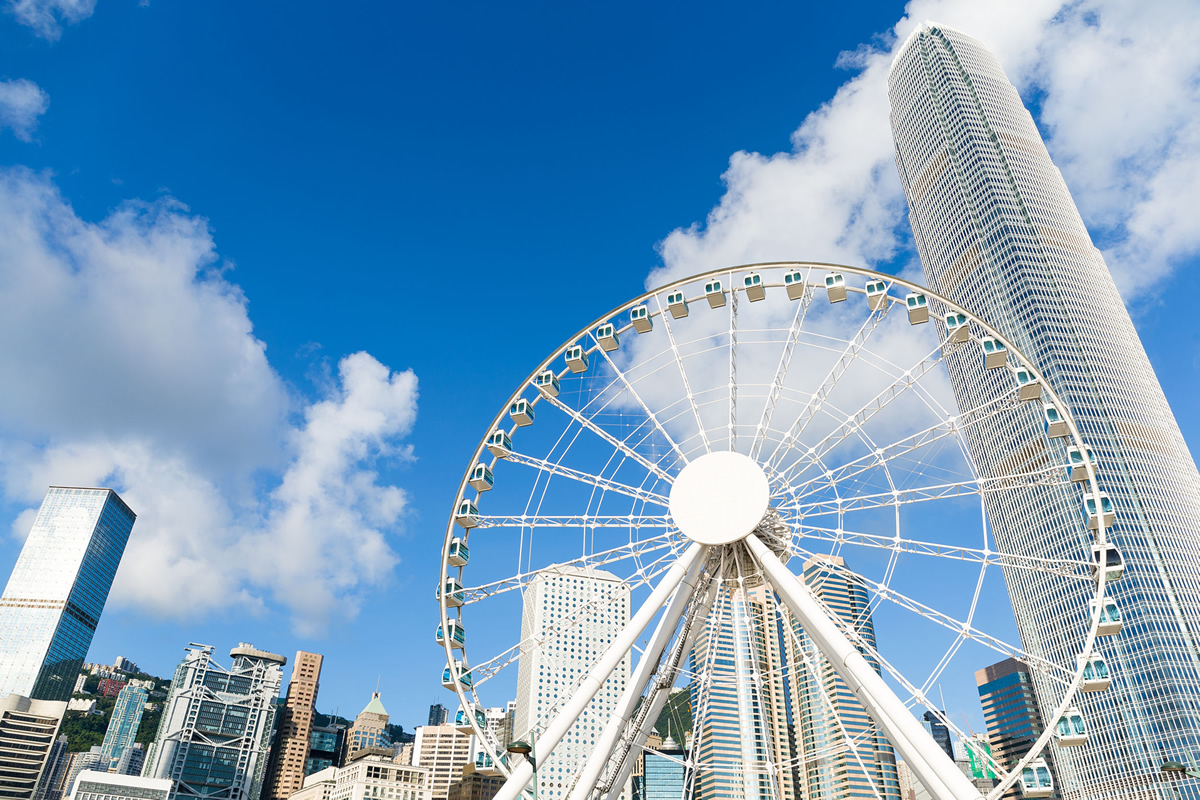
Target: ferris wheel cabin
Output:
[(639, 316), (793, 281), (835, 287), (458, 635), (576, 359), (453, 592), (1054, 422), (1096, 507), (481, 479), (547, 383), (754, 287), (957, 329), (995, 354), (1071, 730), (677, 305), (877, 297), (1036, 780), (1114, 562), (467, 515), (456, 673), (460, 554), (462, 721), (714, 293), (1075, 463), (521, 412), (1110, 617), (606, 335), (1095, 674), (1027, 386), (918, 308), (498, 444)]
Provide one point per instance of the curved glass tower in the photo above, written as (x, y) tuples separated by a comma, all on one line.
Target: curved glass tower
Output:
[(997, 231)]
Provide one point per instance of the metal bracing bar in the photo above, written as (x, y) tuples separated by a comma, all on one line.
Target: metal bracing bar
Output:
[(662, 692), (785, 361), (585, 781), (939, 774), (574, 521), (599, 482), (600, 672)]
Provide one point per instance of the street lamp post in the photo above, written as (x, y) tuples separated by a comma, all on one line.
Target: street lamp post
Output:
[(526, 749)]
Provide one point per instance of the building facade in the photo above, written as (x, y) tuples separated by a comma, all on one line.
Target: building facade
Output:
[(92, 785), (1010, 711), (124, 723), (938, 730), (998, 232), (289, 756), (57, 590), (476, 784), (326, 747), (438, 714), (50, 785), (214, 738), (573, 613), (369, 728), (368, 776), (664, 772), (443, 751), (28, 729)]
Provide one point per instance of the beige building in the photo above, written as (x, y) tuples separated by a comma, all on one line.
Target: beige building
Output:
[(475, 785), (444, 752), (286, 774), (370, 775), (27, 732), (369, 728)]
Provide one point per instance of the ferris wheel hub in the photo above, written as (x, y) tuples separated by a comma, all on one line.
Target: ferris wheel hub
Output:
[(719, 498)]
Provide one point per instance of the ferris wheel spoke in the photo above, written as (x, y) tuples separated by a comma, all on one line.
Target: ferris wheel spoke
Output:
[(821, 394), (733, 379), (590, 425), (687, 386), (621, 521), (781, 371), (607, 484)]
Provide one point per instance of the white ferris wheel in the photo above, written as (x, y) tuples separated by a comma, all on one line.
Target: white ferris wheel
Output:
[(769, 461)]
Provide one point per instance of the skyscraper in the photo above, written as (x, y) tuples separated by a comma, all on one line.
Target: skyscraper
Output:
[(438, 714), (289, 757), (369, 728), (123, 724), (998, 232), (574, 613), (215, 735), (1010, 711), (27, 732), (57, 590), (443, 751), (938, 730)]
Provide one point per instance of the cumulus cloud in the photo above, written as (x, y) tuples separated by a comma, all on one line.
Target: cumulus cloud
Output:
[(22, 102), (1118, 92), (47, 17), (134, 365)]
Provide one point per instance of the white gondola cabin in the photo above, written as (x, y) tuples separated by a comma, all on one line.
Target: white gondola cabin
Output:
[(1076, 464), (1095, 674), (460, 554), (677, 305), (576, 359), (1110, 617), (462, 721), (453, 592), (1071, 730), (918, 308), (835, 287), (995, 354), (715, 294), (754, 287), (606, 335), (1053, 422), (1036, 780), (640, 317), (1028, 387), (481, 479), (793, 281), (547, 383), (877, 297), (1097, 508), (957, 329), (458, 635), (467, 515), (1114, 562), (456, 673), (521, 412), (498, 444)]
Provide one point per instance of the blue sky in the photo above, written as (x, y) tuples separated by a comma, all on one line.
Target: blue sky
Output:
[(453, 191)]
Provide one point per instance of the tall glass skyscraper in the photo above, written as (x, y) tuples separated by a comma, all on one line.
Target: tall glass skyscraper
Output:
[(124, 723), (998, 232), (57, 590)]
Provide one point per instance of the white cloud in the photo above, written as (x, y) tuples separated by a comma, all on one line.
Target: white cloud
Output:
[(1120, 98), (135, 366), (46, 17), (22, 102)]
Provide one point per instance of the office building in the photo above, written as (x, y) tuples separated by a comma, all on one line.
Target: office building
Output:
[(368, 775), (443, 751), (124, 723), (132, 760), (50, 785), (289, 756), (664, 772), (77, 763), (476, 784), (438, 714), (91, 785), (938, 730), (214, 738), (998, 232), (1010, 711), (326, 745), (574, 613), (57, 590), (369, 728), (28, 729)]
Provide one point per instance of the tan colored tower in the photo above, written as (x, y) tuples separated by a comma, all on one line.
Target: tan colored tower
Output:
[(295, 728), (443, 751), (369, 728)]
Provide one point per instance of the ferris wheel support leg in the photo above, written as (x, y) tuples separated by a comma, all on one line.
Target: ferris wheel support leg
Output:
[(647, 666), (662, 693), (928, 761), (600, 672)]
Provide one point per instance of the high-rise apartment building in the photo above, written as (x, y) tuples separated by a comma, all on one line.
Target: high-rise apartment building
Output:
[(57, 590), (50, 785), (1010, 711), (132, 760), (369, 728), (574, 613), (998, 232), (214, 738), (443, 751), (438, 714), (28, 729), (124, 723), (289, 757)]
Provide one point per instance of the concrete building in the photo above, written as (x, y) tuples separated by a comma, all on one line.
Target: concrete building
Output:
[(1010, 711), (92, 785), (125, 665), (289, 757), (132, 760), (85, 705), (368, 776), (50, 785), (573, 613), (28, 729), (443, 751), (77, 763), (214, 738), (124, 723), (438, 714), (369, 728), (477, 785), (57, 590), (998, 232), (110, 687)]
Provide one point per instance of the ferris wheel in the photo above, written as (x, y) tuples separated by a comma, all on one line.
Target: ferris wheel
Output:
[(755, 487)]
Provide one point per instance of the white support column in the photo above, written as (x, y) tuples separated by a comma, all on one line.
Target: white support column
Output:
[(928, 761), (603, 749), (600, 672)]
